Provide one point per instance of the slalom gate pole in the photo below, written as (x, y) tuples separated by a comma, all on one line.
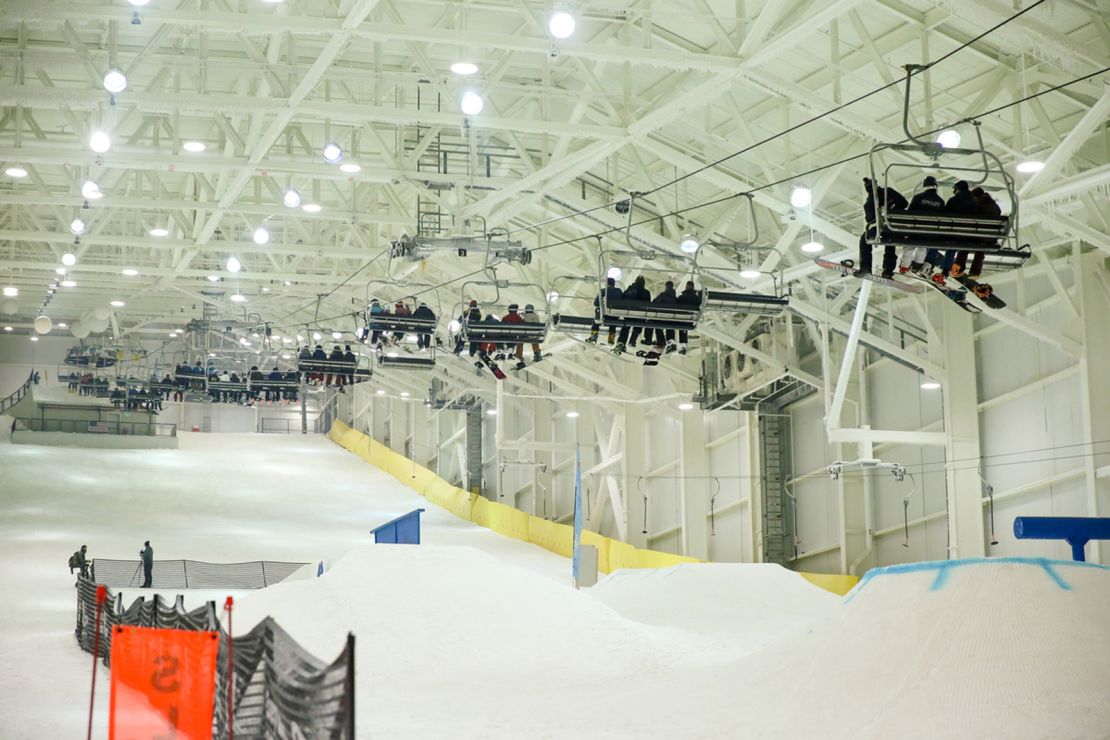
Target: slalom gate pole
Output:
[(230, 671), (101, 597)]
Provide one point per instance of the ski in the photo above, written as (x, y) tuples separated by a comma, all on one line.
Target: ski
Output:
[(847, 268)]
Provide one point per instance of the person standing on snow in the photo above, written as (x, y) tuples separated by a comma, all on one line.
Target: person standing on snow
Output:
[(147, 554)]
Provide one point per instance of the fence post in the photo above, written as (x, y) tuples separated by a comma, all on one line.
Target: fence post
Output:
[(264, 584), (185, 571), (351, 685)]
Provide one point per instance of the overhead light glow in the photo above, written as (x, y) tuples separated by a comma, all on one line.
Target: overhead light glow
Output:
[(1030, 166), (195, 147), (261, 235), (91, 190), (312, 208), (812, 247), (454, 326), (115, 81), (173, 335), (77, 226), (553, 296), (332, 152), (689, 244), (561, 24), (266, 290), (159, 231), (378, 392), (572, 414), (491, 412), (614, 272), (63, 325), (68, 284), (138, 3), (464, 68), (291, 198), (59, 271), (233, 264), (685, 406), (404, 394), (129, 272), (750, 273), (11, 291), (801, 196), (213, 278), (929, 385), (117, 304), (238, 298), (7, 328), (15, 172), (336, 335), (317, 336), (69, 259), (471, 103), (100, 142), (34, 338), (350, 168), (949, 138)]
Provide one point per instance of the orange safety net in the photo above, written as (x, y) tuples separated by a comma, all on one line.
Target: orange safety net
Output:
[(163, 684)]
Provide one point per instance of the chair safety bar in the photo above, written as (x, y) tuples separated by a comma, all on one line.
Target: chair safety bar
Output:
[(752, 303), (408, 362), (563, 321), (1006, 259), (404, 324), (504, 332), (971, 233), (650, 315)]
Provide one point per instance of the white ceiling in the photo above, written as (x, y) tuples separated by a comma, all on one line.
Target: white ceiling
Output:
[(643, 93)]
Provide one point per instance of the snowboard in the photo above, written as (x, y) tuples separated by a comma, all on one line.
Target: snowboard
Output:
[(959, 297), (847, 268), (485, 359), (983, 291)]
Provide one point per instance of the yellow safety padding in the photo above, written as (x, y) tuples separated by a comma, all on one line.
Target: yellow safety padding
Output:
[(838, 584), (612, 554)]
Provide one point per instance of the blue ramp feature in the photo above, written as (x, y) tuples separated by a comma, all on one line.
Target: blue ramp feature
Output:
[(1076, 531), (404, 530)]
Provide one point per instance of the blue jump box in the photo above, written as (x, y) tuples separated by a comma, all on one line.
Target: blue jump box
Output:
[(404, 530), (1076, 531)]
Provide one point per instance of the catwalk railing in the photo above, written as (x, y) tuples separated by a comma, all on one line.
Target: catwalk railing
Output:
[(193, 573), (17, 395), (280, 690)]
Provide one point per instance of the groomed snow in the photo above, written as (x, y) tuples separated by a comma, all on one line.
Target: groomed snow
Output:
[(473, 635)]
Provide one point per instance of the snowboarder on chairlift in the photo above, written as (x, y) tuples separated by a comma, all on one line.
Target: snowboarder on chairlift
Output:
[(922, 260), (877, 197), (611, 293), (532, 318), (636, 292)]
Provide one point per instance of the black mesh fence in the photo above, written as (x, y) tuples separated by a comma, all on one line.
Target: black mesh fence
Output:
[(280, 690), (193, 573)]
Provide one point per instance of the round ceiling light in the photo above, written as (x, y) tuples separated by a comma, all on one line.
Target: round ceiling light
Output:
[(332, 152), (115, 81), (15, 172), (129, 272), (561, 24), (100, 142), (614, 272), (291, 198), (949, 138), (689, 244), (350, 168), (312, 208), (194, 147), (233, 264), (261, 235), (238, 298), (464, 68), (91, 191), (471, 103), (1030, 166), (812, 247), (159, 231), (801, 196), (69, 259), (77, 226)]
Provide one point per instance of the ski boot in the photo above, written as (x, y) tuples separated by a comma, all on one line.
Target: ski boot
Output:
[(520, 365), (938, 278), (618, 349), (537, 356)]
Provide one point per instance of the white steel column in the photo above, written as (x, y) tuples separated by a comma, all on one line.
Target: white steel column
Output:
[(961, 427), (1094, 369), (694, 484), (635, 460)]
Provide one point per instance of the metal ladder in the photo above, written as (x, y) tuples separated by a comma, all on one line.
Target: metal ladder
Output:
[(474, 419), (778, 514), (206, 420)]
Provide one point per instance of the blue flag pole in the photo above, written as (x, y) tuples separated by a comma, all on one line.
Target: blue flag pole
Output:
[(577, 512)]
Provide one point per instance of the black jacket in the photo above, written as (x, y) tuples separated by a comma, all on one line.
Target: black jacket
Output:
[(689, 298), (896, 200), (963, 202), (666, 296), (349, 358), (636, 293), (612, 293), (148, 556), (927, 200), (423, 312)]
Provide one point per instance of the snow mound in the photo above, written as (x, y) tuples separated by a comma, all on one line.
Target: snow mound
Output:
[(748, 603)]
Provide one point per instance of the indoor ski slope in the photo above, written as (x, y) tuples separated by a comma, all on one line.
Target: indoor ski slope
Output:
[(476, 635)]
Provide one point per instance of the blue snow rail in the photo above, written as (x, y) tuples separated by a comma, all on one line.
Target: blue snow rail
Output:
[(1076, 531), (404, 530)]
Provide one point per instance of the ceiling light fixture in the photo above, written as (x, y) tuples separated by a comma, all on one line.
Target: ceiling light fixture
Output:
[(11, 291), (553, 296), (129, 272), (572, 414), (7, 328), (63, 325), (404, 394), (332, 152), (116, 304), (750, 273), (350, 168), (812, 247), (614, 272), (379, 392), (471, 103), (59, 271), (69, 259), (233, 264), (464, 68), (260, 235), (68, 284), (929, 385), (138, 3), (689, 243), (291, 198), (801, 196), (91, 190), (213, 278), (561, 24), (159, 232), (194, 147), (312, 207), (949, 138), (77, 226), (238, 298), (1030, 166), (115, 81), (317, 336), (336, 335), (685, 406), (100, 142), (15, 172)]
